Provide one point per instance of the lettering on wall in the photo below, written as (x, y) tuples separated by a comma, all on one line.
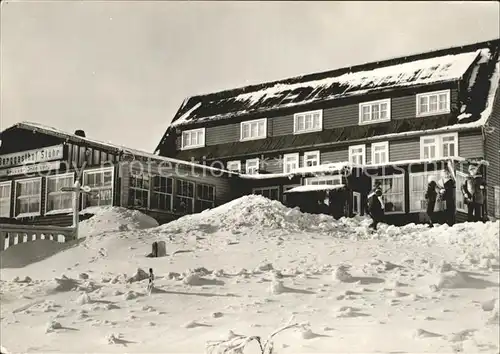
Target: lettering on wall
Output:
[(28, 169), (32, 156)]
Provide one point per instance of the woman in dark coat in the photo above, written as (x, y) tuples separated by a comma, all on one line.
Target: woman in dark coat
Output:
[(375, 207)]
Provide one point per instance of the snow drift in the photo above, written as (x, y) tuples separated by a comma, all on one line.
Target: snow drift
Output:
[(114, 219), (253, 215)]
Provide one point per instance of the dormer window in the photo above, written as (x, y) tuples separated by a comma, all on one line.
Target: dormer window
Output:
[(433, 103), (192, 139), (375, 112), (253, 129), (307, 122)]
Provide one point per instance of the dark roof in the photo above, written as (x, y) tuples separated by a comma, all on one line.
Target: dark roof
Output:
[(422, 69), (480, 85)]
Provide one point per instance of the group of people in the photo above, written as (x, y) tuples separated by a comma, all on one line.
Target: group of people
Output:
[(443, 189)]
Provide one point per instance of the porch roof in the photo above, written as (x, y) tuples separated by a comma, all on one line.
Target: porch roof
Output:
[(315, 187)]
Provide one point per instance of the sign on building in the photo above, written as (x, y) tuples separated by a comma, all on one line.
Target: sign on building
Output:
[(29, 169), (50, 153)]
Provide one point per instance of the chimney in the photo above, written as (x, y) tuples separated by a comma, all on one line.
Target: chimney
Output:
[(80, 133)]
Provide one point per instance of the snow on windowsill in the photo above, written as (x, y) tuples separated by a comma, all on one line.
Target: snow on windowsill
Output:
[(27, 215), (62, 211)]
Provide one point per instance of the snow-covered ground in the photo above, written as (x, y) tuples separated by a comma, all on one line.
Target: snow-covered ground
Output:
[(246, 268)]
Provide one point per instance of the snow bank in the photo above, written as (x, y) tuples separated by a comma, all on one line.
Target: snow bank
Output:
[(23, 254), (251, 212), (255, 214), (114, 219)]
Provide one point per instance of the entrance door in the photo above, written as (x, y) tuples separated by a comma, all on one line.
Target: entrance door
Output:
[(356, 203)]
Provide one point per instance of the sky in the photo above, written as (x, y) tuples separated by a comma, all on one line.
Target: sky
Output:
[(121, 69)]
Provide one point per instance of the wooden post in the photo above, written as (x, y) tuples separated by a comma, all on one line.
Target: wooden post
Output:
[(77, 190)]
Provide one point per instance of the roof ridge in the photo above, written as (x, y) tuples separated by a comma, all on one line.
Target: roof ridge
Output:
[(352, 69)]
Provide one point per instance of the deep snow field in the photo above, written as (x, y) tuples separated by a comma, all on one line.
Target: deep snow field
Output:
[(247, 268)]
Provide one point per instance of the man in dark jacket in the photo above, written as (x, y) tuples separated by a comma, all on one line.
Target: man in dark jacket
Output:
[(473, 191), (431, 197), (375, 207)]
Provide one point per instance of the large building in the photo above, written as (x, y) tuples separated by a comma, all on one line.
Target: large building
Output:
[(298, 140), (397, 121)]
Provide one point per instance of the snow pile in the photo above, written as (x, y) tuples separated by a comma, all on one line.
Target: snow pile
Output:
[(114, 219), (251, 211), (479, 241)]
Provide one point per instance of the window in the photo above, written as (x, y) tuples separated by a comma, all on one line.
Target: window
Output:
[(439, 146), (429, 147), (307, 122), (393, 192), (58, 201), (161, 198), (375, 111), (252, 166), (324, 180), (418, 188), (193, 138), (205, 197), (380, 152), (184, 200), (253, 129), (268, 192), (311, 158), (101, 182), (357, 154), (449, 145), (138, 194), (28, 197), (234, 166), (433, 103), (460, 180), (497, 201), (290, 162), (5, 191)]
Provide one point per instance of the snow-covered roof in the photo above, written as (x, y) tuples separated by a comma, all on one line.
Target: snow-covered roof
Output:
[(339, 84), (315, 187), (108, 146)]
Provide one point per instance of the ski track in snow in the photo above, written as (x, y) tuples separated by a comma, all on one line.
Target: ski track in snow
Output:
[(248, 266)]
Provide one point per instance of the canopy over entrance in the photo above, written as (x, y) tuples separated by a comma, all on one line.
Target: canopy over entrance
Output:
[(315, 187)]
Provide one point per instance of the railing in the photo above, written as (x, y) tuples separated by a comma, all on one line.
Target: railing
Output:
[(11, 235)]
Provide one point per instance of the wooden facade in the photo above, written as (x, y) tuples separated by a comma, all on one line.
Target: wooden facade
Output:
[(111, 171)]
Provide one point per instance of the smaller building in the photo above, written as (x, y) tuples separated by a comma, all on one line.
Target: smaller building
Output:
[(36, 161)]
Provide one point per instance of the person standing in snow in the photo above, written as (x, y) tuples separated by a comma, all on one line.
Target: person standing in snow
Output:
[(375, 206), (151, 280), (473, 191), (447, 188), (431, 198)]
